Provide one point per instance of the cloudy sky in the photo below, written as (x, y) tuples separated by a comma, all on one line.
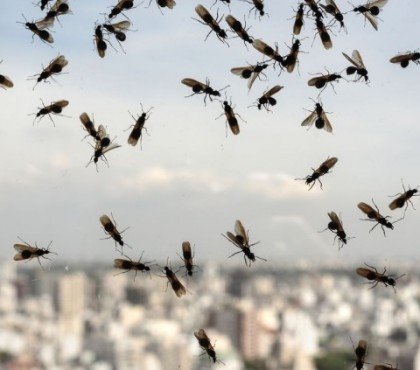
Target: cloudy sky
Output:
[(191, 181)]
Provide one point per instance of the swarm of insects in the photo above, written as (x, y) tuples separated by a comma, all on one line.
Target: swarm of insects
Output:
[(241, 240), (375, 277), (250, 73), (213, 23), (28, 252), (404, 59), (358, 66), (319, 117), (323, 169)]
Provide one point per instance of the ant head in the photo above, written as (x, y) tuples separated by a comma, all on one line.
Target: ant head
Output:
[(222, 34), (251, 256), (147, 268), (166, 269), (391, 281), (389, 225), (190, 273)]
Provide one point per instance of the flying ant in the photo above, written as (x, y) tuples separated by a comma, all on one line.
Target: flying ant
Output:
[(321, 82), (374, 215), (406, 58), (323, 169), (323, 33), (202, 88), (59, 8), (28, 252), (404, 198), (240, 30), (176, 285), (129, 264), (360, 352), (120, 7), (336, 226), (208, 20), (205, 344), (267, 98), (118, 29), (332, 8), (313, 6), (54, 67), (102, 146), (298, 24), (241, 241), (231, 117), (358, 66), (371, 10), (5, 82), (187, 258), (38, 28), (138, 127), (250, 73), (164, 3), (268, 51), (319, 116), (257, 6), (375, 277), (101, 45), (89, 126), (110, 228), (290, 60), (53, 108)]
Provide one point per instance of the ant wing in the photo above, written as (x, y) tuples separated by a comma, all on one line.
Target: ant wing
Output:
[(366, 208), (272, 91), (364, 272), (121, 26), (240, 231), (396, 203), (308, 121), (358, 59), (110, 147), (204, 14), (6, 81), (186, 247), (373, 21), (122, 264), (313, 81), (329, 163), (401, 58), (190, 82), (25, 248), (327, 124)]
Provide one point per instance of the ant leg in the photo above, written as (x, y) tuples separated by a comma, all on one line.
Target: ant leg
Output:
[(412, 205), (234, 254), (374, 268), (124, 272), (383, 230), (374, 227)]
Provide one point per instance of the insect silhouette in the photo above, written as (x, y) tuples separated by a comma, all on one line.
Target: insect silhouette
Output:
[(5, 82), (268, 51), (118, 29), (250, 73), (323, 169), (267, 100), (28, 252), (231, 117), (120, 7), (110, 228), (165, 3), (100, 150), (55, 67), (54, 108), (332, 8), (406, 58), (374, 215), (336, 226), (371, 10), (358, 66), (313, 6), (241, 240), (101, 45), (176, 285), (240, 30), (39, 29), (60, 7), (291, 59), (321, 81), (257, 7), (130, 265), (319, 117), (323, 33), (89, 126), (205, 344), (202, 88), (298, 24), (188, 258), (360, 352), (404, 198), (138, 127), (375, 277), (208, 20), (43, 4)]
